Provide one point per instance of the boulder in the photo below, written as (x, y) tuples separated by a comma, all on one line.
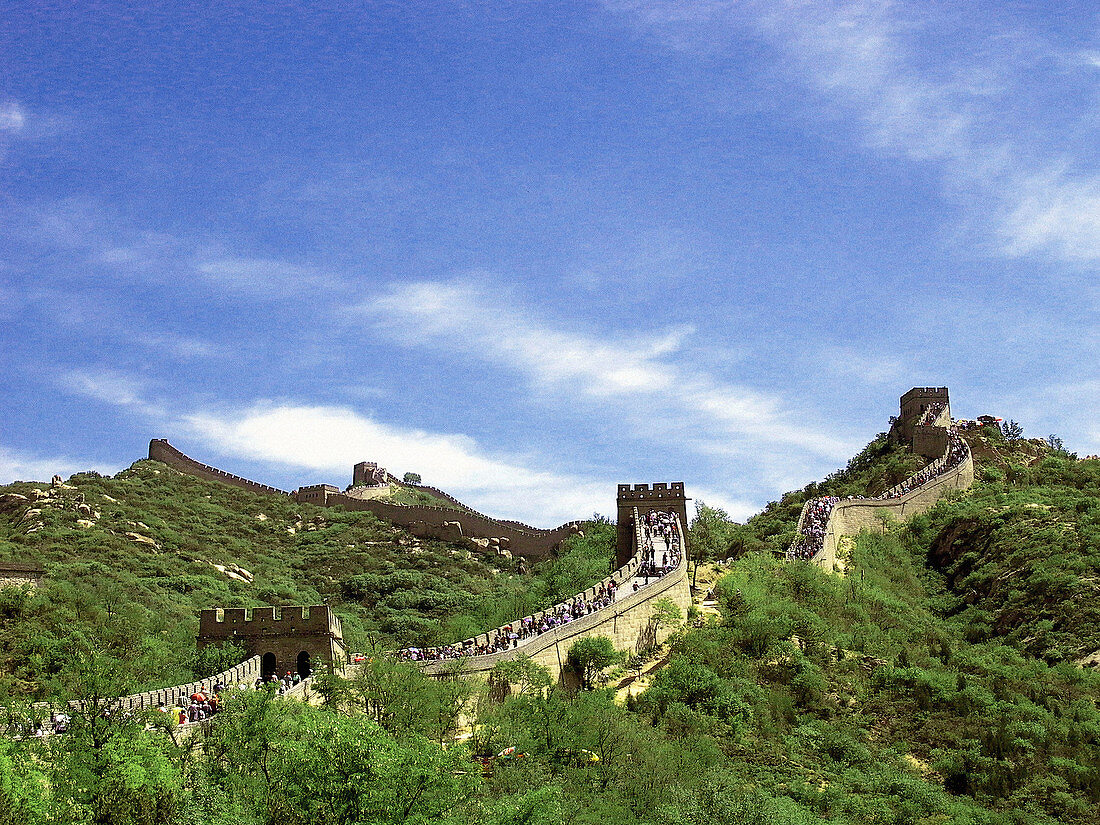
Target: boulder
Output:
[(137, 538), (10, 502)]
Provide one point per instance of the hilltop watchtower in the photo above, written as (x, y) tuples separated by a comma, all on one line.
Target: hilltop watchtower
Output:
[(924, 421), (661, 498), (286, 638), (368, 474)]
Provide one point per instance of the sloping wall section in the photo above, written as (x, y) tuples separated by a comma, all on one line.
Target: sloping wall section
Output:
[(421, 520), (926, 421), (627, 622)]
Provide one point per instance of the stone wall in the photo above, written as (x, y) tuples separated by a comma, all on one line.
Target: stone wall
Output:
[(161, 450), (282, 631), (426, 521), (850, 517), (627, 622), (20, 575), (422, 520), (246, 672), (643, 498)]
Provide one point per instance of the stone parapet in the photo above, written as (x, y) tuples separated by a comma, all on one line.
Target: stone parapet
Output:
[(161, 450)]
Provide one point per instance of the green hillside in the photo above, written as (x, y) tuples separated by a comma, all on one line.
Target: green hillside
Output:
[(144, 551), (936, 682)]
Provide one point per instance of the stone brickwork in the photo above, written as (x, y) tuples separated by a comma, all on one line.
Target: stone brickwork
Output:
[(926, 417), (161, 450), (664, 498), (246, 672), (368, 474), (915, 403), (421, 520), (279, 635), (627, 622), (20, 575)]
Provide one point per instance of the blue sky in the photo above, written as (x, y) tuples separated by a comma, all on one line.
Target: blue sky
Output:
[(531, 250)]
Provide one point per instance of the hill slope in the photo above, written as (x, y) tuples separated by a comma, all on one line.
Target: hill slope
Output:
[(144, 551)]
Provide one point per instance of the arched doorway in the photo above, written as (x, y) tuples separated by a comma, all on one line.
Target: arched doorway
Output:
[(268, 666), (304, 670)]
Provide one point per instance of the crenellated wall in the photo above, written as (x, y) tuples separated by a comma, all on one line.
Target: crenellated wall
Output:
[(161, 450), (644, 498), (926, 421), (851, 517), (626, 622), (280, 632), (421, 520)]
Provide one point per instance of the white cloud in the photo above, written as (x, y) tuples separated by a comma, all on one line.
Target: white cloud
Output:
[(739, 510), (18, 466), (330, 440), (264, 277), (969, 111), (12, 117), (179, 346), (639, 377), (110, 387)]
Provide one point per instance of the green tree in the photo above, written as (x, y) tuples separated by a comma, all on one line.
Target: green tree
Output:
[(590, 655)]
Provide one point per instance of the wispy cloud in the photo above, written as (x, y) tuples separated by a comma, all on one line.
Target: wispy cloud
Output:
[(330, 440), (971, 112), (19, 466), (12, 117), (110, 387), (184, 347), (264, 277), (643, 376)]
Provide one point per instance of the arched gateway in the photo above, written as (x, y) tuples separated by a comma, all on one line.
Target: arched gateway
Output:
[(290, 639)]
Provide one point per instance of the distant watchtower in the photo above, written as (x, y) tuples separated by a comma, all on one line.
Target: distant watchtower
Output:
[(662, 498), (368, 474), (287, 638), (917, 426)]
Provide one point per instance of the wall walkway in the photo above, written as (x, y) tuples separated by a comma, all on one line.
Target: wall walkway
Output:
[(627, 621), (851, 516)]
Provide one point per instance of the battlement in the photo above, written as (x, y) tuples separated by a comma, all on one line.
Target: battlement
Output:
[(915, 403), (645, 492), (161, 450), (369, 474), (644, 498), (225, 622), (936, 393)]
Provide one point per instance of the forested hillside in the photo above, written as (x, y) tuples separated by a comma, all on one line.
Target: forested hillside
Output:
[(151, 547), (936, 681)]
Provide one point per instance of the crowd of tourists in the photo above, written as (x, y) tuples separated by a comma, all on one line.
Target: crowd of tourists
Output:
[(957, 451), (811, 537), (932, 413), (654, 525), (200, 705)]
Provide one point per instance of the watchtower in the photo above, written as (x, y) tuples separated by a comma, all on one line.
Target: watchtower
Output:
[(915, 403), (287, 638), (368, 474), (661, 498)]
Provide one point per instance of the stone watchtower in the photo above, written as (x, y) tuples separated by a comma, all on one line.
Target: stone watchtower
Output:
[(929, 438), (368, 474), (287, 638), (662, 498)]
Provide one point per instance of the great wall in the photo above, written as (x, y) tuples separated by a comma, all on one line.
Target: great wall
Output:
[(925, 423), (425, 521)]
